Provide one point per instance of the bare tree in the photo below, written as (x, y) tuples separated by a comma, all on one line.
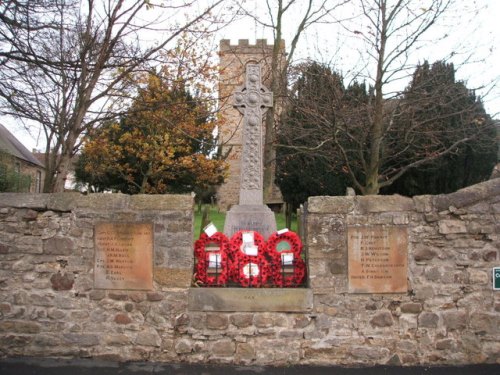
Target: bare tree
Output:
[(373, 133), (61, 68)]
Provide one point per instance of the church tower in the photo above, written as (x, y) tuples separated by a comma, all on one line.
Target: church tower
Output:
[(233, 60)]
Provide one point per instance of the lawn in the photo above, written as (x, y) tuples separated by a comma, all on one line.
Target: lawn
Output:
[(218, 219)]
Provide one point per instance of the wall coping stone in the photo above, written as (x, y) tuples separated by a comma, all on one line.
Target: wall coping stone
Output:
[(67, 202), (467, 196), (383, 203), (330, 204), (397, 203)]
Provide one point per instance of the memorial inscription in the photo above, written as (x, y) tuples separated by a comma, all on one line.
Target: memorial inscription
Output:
[(123, 256), (378, 259)]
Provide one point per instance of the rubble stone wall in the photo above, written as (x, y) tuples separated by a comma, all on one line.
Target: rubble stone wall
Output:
[(450, 314)]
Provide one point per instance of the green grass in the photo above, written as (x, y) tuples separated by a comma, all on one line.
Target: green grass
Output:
[(218, 219)]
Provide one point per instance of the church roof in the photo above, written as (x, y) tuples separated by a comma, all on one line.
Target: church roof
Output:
[(11, 145)]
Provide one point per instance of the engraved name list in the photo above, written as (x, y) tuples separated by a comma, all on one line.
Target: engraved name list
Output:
[(377, 259), (123, 256)]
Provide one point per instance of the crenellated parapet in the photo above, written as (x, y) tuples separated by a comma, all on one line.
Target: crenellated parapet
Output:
[(244, 46)]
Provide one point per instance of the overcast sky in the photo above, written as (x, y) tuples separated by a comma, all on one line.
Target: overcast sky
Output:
[(472, 26), (474, 36)]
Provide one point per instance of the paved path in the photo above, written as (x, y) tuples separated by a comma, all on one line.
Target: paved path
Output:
[(32, 366)]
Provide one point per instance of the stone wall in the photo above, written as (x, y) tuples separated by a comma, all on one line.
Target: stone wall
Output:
[(450, 314)]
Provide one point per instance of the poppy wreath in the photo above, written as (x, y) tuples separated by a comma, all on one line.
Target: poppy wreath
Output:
[(243, 264), (285, 280), (293, 240), (281, 278), (221, 277)]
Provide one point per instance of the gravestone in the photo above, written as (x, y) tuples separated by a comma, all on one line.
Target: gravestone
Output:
[(252, 100)]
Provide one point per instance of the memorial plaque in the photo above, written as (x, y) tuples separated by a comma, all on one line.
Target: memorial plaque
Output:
[(123, 256), (378, 259)]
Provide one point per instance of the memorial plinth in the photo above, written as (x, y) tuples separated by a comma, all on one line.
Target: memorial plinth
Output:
[(250, 300), (252, 100)]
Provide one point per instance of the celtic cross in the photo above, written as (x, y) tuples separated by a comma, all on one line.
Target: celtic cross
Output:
[(252, 100)]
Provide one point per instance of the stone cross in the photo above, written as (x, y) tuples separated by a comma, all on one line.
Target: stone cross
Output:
[(252, 100)]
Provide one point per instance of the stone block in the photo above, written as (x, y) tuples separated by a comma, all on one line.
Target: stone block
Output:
[(47, 341), (407, 346), (263, 320), (445, 344), (148, 337), (428, 320), (250, 300), (337, 267), (81, 339), (291, 334), (479, 277), (24, 200), (423, 293), (423, 203), (183, 346), (330, 205), (407, 322), (485, 323), (452, 227), (162, 202), (122, 319), (154, 297), (62, 281), (116, 339), (455, 319), (217, 321), (23, 265), (58, 246), (245, 352), (469, 195), (19, 327), (223, 348), (423, 252), (411, 308), (382, 319), (97, 295), (30, 215), (259, 218), (367, 353), (173, 277), (386, 203), (242, 320)]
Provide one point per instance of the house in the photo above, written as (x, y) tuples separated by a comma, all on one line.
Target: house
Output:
[(20, 171)]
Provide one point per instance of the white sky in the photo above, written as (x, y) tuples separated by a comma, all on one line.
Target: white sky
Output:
[(472, 26)]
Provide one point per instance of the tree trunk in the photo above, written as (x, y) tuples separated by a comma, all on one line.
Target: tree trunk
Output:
[(288, 215), (205, 219), (62, 173), (376, 132), (63, 161)]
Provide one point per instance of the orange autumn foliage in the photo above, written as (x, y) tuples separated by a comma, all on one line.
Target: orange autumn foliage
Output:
[(164, 145)]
